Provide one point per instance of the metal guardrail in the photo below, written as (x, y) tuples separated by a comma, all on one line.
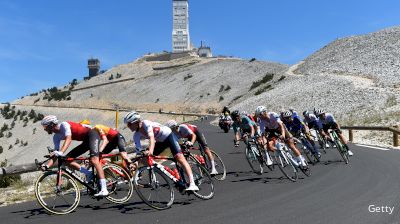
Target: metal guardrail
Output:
[(395, 130)]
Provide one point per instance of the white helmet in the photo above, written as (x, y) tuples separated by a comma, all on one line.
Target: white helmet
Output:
[(131, 117), (287, 114), (49, 119), (171, 124), (318, 112), (260, 109)]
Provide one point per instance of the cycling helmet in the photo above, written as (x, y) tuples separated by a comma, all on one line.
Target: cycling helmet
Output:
[(132, 117), (49, 120), (291, 109), (260, 109), (243, 112), (235, 114), (319, 112), (225, 108), (171, 124), (287, 114), (305, 113)]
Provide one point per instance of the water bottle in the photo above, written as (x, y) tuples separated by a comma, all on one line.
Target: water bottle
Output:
[(176, 173), (200, 158)]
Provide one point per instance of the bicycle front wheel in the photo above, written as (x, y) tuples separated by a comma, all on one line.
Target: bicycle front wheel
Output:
[(119, 184), (342, 151), (219, 166), (202, 179), (61, 198), (153, 187), (286, 166), (252, 156)]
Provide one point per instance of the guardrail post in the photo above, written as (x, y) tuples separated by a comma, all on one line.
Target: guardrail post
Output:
[(351, 135), (183, 118), (395, 137)]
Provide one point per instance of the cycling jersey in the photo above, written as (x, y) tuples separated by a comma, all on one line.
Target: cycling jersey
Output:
[(294, 126), (313, 122), (328, 120), (78, 132), (245, 125), (273, 122), (188, 130), (155, 129), (110, 133)]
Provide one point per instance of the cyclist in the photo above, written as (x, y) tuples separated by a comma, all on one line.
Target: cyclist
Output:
[(295, 126), (313, 122), (329, 122), (161, 137), (244, 123), (272, 127), (192, 133), (226, 111), (69, 131), (111, 139)]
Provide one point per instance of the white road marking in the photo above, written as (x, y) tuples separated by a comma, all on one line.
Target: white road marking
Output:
[(372, 147)]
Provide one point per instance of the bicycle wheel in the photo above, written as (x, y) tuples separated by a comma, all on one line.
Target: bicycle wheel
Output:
[(219, 166), (119, 184), (153, 187), (285, 165), (61, 199), (342, 151), (321, 142), (252, 155), (202, 179)]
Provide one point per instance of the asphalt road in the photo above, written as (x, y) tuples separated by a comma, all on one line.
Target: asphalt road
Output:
[(334, 193)]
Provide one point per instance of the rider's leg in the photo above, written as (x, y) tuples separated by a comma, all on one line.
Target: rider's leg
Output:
[(94, 140)]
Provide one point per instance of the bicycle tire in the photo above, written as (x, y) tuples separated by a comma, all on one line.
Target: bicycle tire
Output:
[(202, 179), (45, 187), (219, 166), (252, 155), (321, 142), (119, 184), (342, 151), (155, 181), (285, 165)]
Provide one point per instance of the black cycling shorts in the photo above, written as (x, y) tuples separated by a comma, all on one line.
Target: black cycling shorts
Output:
[(117, 142), (91, 142), (170, 142), (333, 126)]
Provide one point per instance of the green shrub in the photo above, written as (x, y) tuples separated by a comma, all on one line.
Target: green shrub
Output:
[(6, 181), (188, 76), (221, 88), (228, 87), (268, 77), (221, 98)]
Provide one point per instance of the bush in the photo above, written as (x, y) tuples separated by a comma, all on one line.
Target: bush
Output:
[(111, 77), (118, 76), (221, 88), (268, 77), (9, 135), (10, 147), (261, 90), (281, 78), (253, 59), (228, 87), (6, 181), (1, 149), (221, 98)]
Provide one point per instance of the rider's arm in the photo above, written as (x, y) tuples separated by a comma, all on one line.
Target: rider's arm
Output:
[(193, 140), (282, 128), (104, 142), (66, 144), (152, 144)]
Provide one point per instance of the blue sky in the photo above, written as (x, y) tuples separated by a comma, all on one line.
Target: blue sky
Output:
[(46, 43)]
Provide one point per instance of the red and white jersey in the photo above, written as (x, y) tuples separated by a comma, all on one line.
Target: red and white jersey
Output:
[(186, 130), (78, 132), (160, 133)]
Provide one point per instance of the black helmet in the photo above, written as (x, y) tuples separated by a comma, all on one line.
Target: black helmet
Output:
[(226, 108), (235, 114), (305, 113)]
